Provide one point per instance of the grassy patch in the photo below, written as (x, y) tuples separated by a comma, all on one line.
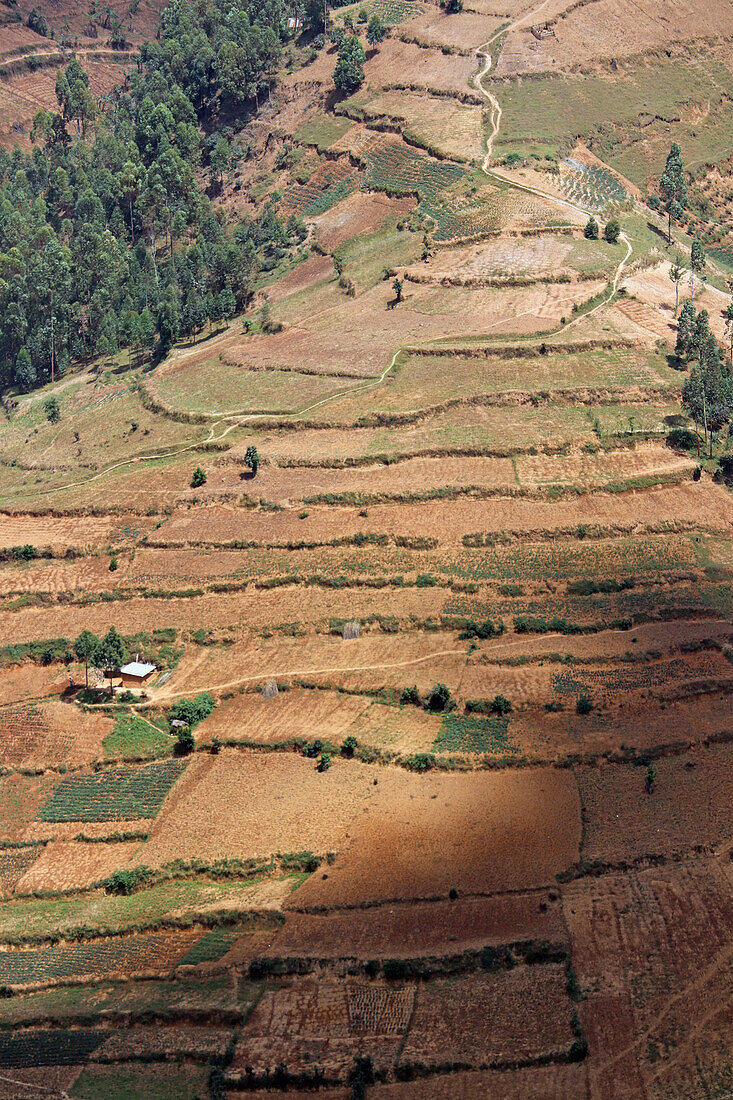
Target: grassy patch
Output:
[(154, 1082), (46, 918), (133, 736), (213, 945)]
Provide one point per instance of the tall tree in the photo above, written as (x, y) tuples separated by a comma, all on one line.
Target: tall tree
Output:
[(349, 72), (685, 326), (676, 273), (697, 263), (673, 187), (86, 646)]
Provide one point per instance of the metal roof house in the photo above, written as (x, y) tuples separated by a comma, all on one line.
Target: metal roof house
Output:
[(136, 673)]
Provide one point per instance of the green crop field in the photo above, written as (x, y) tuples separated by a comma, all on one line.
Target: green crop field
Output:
[(212, 945), (467, 733), (107, 914), (322, 130), (14, 862), (217, 387), (390, 12), (424, 380), (54, 1047), (74, 1003), (79, 961), (592, 186), (398, 168), (112, 795)]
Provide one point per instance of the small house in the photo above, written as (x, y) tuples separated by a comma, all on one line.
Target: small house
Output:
[(136, 674)]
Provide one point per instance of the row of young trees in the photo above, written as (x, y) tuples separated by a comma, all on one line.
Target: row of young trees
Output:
[(106, 240)]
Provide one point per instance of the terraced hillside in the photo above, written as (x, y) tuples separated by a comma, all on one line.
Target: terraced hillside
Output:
[(429, 792)]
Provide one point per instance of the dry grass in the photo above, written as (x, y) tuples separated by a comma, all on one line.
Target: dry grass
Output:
[(239, 804)]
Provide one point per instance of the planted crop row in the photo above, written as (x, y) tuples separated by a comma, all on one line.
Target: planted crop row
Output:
[(464, 733), (397, 168), (115, 795), (120, 955), (55, 1047)]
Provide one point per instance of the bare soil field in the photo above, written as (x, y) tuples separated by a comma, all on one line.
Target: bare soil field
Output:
[(20, 799), (474, 1022), (536, 1083), (79, 532), (377, 331), (307, 274), (690, 805), (38, 734), (359, 663), (654, 289), (410, 930), (70, 865), (292, 714), (515, 257), (281, 789), (258, 609), (689, 503), (397, 61), (606, 29), (357, 214), (651, 952), (320, 1022), (421, 836), (22, 683)]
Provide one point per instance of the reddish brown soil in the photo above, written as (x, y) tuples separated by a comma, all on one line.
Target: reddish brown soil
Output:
[(304, 275), (422, 835), (432, 928), (692, 803), (359, 213), (516, 1015), (541, 1083), (651, 951), (50, 733), (325, 1022), (247, 804)]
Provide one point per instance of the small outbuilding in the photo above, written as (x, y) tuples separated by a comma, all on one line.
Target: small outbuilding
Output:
[(136, 674)]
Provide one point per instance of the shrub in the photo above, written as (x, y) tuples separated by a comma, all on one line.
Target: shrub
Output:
[(192, 711), (185, 743), (500, 705), (591, 229), (126, 882), (682, 438), (312, 749), (612, 231), (420, 762), (583, 705), (486, 629), (51, 409), (410, 697), (439, 699), (324, 762), (349, 746), (198, 478), (113, 564)]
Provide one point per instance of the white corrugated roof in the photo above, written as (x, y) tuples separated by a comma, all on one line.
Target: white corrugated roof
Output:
[(137, 668)]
